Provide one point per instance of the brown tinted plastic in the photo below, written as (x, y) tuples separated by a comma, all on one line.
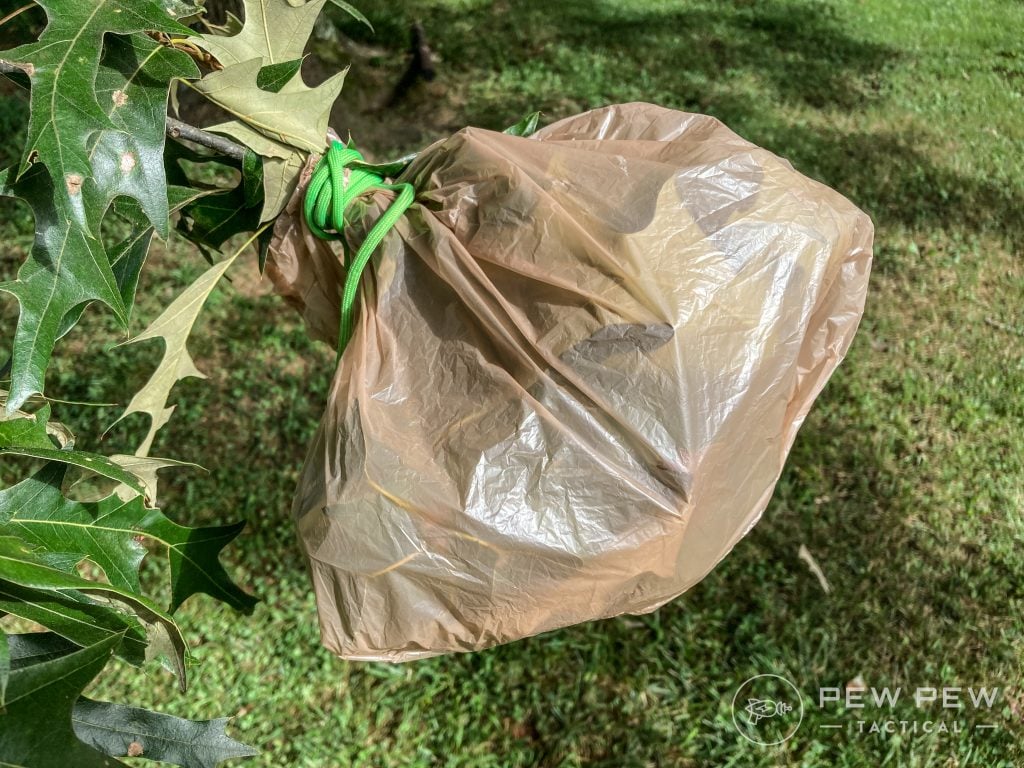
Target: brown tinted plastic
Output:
[(579, 364)]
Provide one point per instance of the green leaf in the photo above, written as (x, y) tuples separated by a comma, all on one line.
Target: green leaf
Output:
[(185, 11), (36, 724), (28, 437), (282, 165), (351, 10), (222, 212), (128, 160), (37, 512), (24, 568), (37, 647), (5, 667), (27, 431), (348, 8), (66, 269), (127, 259), (215, 219), (252, 179), (106, 532), (91, 462), (76, 617), (112, 728), (129, 256), (96, 131), (193, 556), (62, 66), (525, 127), (263, 247), (389, 170), (273, 77)]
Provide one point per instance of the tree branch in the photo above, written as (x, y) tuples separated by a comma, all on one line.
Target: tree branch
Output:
[(176, 129), (179, 130)]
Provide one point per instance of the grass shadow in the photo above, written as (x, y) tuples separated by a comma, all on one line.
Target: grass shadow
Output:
[(754, 65), (616, 692)]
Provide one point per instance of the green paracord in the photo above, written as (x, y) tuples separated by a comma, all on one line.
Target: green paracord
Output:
[(328, 196)]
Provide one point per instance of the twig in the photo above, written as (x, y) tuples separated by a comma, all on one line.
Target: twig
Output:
[(176, 129), (15, 12), (179, 130)]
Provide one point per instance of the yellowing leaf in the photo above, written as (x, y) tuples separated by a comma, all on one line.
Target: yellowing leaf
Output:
[(144, 468), (274, 31), (297, 115), (279, 123), (174, 326)]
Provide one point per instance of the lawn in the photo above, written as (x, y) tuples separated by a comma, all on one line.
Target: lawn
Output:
[(906, 483)]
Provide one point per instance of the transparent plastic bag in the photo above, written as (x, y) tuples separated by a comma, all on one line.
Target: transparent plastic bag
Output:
[(579, 365)]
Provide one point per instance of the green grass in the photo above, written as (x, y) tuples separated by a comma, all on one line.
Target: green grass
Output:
[(906, 483)]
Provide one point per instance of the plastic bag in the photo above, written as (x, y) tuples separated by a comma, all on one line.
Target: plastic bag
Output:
[(578, 368)]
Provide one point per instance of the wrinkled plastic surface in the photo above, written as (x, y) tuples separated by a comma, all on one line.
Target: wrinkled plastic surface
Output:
[(577, 370)]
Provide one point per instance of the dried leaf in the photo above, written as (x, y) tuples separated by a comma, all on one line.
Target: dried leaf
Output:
[(145, 469), (805, 555)]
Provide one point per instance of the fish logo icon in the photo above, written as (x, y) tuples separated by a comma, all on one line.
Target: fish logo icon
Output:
[(758, 708), (767, 709)]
